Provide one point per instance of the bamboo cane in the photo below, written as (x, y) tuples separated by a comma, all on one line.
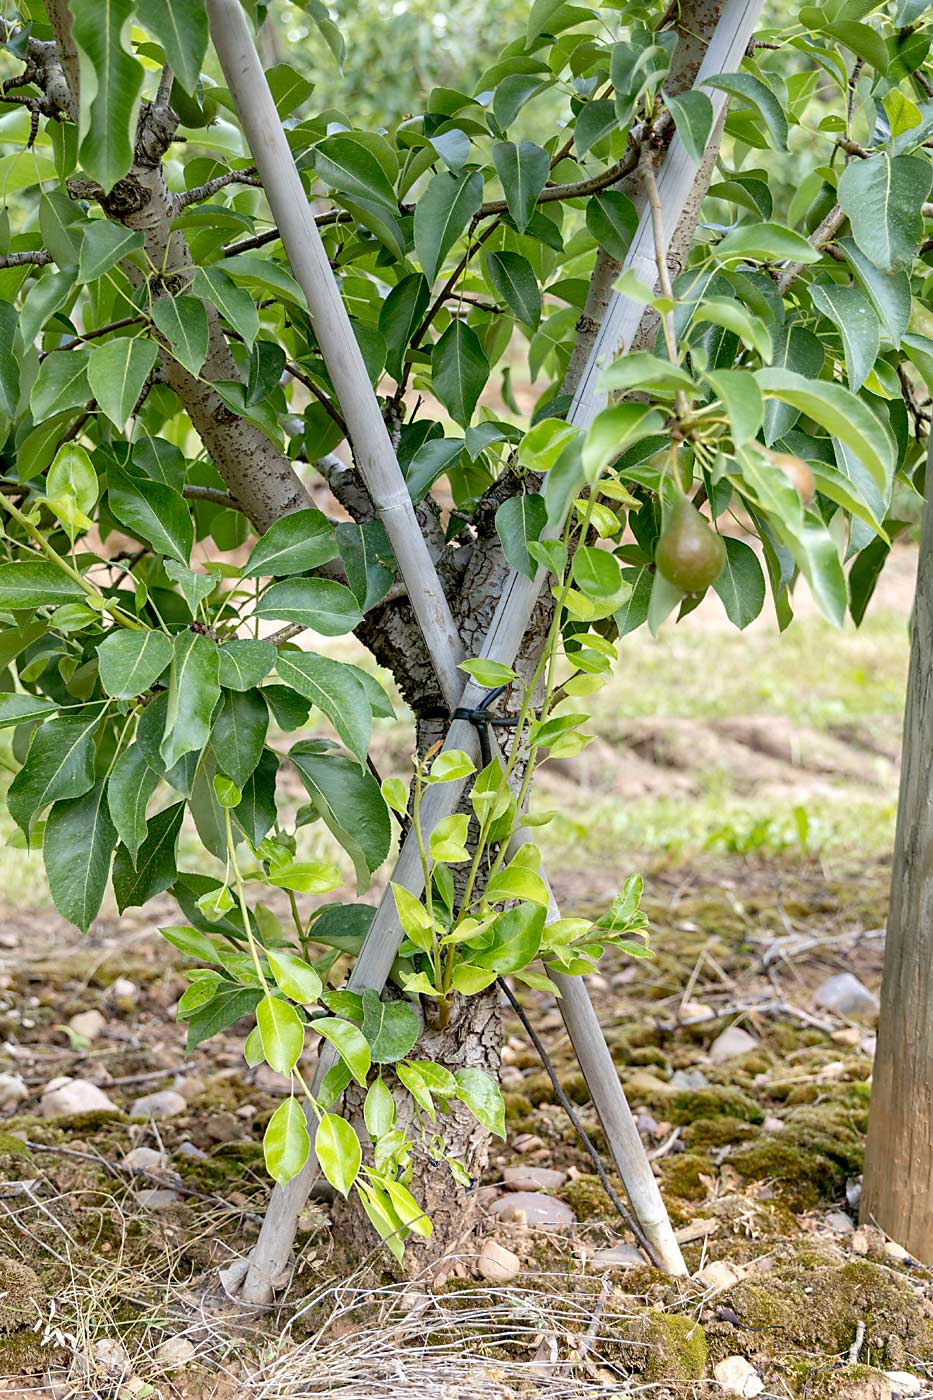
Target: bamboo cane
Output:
[(380, 470)]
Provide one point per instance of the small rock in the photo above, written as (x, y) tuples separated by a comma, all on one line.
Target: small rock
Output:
[(88, 1024), (896, 1251), (848, 1035), (65, 1096), (124, 992), (157, 1197), (527, 1142), (145, 1159), (861, 1241), (111, 1356), (498, 1264), (717, 1275), (223, 1127), (903, 1383), (533, 1178), (641, 1082), (691, 1079), (738, 1377), (695, 1011), (12, 1091), (845, 995), (533, 1209), (647, 1125), (868, 1045), (190, 1149), (620, 1256), (177, 1351), (732, 1043), (871, 1386), (839, 1223), (163, 1104), (772, 1124)]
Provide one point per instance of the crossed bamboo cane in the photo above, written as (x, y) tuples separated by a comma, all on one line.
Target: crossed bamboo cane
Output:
[(378, 466)]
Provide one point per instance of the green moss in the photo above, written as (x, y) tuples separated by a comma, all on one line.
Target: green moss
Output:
[(21, 1295), (840, 1382), (715, 1101), (811, 1158), (718, 1132), (587, 1198), (670, 1347), (516, 1106), (681, 1176), (783, 1305)]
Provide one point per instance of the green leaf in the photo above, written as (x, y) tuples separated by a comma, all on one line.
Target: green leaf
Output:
[(191, 942), (349, 161), (597, 119), (481, 1095), (379, 1109), (257, 811), (338, 1152), (293, 545), (741, 396), (9, 363), (736, 318), (59, 764), (193, 693), (857, 323), (349, 1042), (451, 765), (348, 800), (156, 513), (243, 663), (889, 291), (513, 279), (130, 662), (296, 978), (336, 691), (523, 170), (612, 219), (741, 585), (368, 560), (883, 197), (693, 118), (238, 735), (286, 1143), (390, 1027), (282, 1033), (518, 520), (183, 322), (116, 373), (77, 846), (429, 463), (222, 1011), (400, 315), (104, 245), (638, 369), (154, 870), (36, 584), (766, 242), (516, 940), (181, 29), (131, 785), (289, 88), (110, 86), (441, 215), (61, 384), (759, 97), (838, 411), (234, 303), (20, 709), (448, 839), (612, 431), (459, 371), (325, 606)]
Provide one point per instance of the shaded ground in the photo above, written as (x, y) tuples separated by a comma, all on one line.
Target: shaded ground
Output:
[(753, 781)]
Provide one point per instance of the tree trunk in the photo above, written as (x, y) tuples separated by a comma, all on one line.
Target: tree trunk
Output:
[(472, 1037), (897, 1193)]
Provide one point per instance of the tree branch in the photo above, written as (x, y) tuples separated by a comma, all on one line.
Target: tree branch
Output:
[(39, 257), (210, 187)]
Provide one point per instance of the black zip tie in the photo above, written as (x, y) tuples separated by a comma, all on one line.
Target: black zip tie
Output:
[(480, 718)]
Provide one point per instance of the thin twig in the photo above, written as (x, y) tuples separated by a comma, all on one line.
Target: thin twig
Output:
[(581, 1132), (214, 495), (211, 187)]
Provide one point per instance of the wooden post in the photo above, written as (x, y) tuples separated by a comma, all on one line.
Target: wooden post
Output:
[(380, 470), (897, 1190)]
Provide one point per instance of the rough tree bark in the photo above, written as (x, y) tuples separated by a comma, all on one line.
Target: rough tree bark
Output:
[(897, 1193)]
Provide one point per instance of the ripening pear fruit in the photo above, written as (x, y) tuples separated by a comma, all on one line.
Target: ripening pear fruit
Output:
[(689, 552), (797, 472)]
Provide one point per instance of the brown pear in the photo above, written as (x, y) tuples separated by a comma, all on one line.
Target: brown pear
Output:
[(689, 553)]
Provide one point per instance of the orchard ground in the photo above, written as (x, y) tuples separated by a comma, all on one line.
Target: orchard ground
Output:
[(753, 781)]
